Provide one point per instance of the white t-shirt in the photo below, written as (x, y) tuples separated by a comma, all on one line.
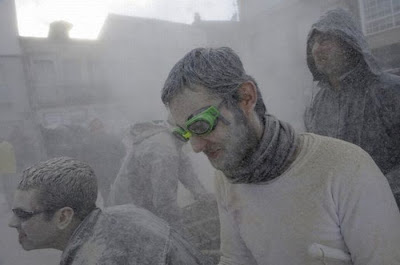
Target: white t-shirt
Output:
[(333, 194)]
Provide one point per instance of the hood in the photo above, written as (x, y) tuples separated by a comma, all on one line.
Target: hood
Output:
[(143, 130), (340, 23)]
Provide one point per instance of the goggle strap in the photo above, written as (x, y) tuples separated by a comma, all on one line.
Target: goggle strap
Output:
[(225, 121), (181, 134), (187, 135)]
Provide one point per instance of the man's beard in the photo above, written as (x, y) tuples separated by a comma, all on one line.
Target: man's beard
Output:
[(240, 145), (333, 66)]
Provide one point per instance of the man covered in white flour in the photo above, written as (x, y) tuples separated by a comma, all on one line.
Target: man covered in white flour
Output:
[(281, 195), (55, 207)]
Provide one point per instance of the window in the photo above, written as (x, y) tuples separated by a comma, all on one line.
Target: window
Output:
[(74, 78), (72, 71), (380, 15), (45, 77), (44, 72)]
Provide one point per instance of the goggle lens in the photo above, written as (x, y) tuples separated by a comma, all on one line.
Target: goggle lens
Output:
[(200, 127), (200, 123)]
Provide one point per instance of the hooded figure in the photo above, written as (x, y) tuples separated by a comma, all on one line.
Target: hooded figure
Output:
[(151, 170), (363, 105)]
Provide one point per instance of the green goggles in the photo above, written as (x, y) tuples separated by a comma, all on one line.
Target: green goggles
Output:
[(200, 123)]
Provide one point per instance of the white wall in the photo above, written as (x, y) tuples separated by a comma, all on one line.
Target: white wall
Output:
[(8, 28)]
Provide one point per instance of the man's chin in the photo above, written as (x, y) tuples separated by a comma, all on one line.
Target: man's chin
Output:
[(216, 164), (220, 165), (321, 69), (26, 247)]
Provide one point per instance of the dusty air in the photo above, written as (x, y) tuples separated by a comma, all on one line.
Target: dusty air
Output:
[(199, 132)]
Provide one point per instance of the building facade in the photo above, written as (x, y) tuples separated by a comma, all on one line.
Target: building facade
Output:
[(17, 124), (66, 77), (381, 24)]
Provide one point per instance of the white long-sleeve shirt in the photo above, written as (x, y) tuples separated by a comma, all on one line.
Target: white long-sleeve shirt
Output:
[(333, 194)]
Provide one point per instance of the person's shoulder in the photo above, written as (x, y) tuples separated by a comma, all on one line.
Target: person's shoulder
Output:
[(335, 152), (337, 161), (129, 210), (391, 79), (130, 218), (385, 93), (161, 141), (120, 228), (388, 86)]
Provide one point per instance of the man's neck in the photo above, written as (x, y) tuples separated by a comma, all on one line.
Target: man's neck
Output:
[(259, 128), (294, 155), (65, 235), (336, 78), (335, 82)]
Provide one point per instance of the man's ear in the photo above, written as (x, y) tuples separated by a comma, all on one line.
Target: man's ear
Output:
[(64, 217), (247, 97)]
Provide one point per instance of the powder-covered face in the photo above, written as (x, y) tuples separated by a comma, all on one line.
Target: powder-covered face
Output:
[(35, 232), (329, 53), (227, 145)]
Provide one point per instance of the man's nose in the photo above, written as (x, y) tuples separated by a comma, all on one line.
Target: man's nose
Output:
[(198, 143), (320, 49), (13, 222), (316, 48)]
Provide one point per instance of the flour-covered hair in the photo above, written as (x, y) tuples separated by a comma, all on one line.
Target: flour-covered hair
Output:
[(219, 70), (62, 182)]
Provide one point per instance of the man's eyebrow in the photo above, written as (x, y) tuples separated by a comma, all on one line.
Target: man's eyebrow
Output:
[(21, 209), (198, 111), (189, 117)]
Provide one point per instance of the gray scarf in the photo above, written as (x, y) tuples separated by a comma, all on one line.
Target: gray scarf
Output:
[(274, 154)]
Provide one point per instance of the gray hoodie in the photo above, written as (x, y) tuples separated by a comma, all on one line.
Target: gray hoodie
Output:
[(366, 110), (126, 235), (151, 170)]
